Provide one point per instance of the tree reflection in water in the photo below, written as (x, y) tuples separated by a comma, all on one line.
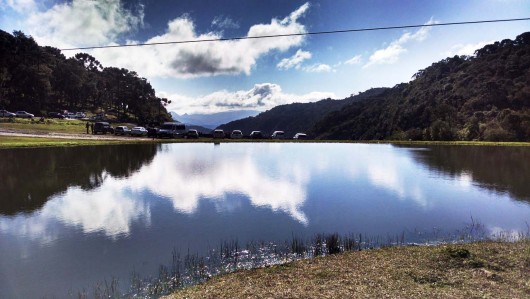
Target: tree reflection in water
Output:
[(29, 177)]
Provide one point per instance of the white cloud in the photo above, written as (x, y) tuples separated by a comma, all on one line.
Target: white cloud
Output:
[(261, 97), (466, 49), (82, 23), (391, 54), (223, 22), (388, 55), (318, 68), (20, 6), (294, 61), (206, 58), (354, 60)]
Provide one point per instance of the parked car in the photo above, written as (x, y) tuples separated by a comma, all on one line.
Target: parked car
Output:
[(122, 130), (218, 133), (24, 114), (103, 127), (236, 134), (192, 133), (256, 135), (70, 115), (80, 115), (55, 115), (5, 113), (152, 132), (139, 131), (278, 135), (172, 130), (300, 136)]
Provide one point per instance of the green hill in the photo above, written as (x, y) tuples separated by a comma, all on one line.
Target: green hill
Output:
[(482, 97)]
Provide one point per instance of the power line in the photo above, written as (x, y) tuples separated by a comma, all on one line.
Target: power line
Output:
[(298, 34)]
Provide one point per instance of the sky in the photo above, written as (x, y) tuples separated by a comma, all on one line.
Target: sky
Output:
[(259, 74)]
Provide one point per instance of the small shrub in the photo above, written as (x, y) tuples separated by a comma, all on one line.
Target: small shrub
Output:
[(333, 243), (457, 252)]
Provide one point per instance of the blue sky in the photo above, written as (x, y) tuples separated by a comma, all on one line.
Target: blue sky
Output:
[(260, 74)]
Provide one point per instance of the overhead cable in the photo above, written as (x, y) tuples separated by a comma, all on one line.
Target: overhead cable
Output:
[(296, 34)]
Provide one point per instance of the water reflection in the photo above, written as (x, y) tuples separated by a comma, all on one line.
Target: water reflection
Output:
[(125, 207), (30, 177), (187, 178), (497, 168), (390, 169)]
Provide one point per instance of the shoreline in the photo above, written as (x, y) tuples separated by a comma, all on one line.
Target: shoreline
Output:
[(16, 138)]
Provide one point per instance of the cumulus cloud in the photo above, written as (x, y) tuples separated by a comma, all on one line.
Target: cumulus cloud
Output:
[(80, 23), (354, 60), (83, 23), (294, 61), (318, 68), (392, 52), (261, 97), (206, 58), (466, 49)]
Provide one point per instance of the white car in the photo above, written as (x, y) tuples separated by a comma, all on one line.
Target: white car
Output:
[(24, 114), (139, 131), (278, 135), (5, 113), (218, 133), (300, 136), (236, 134), (122, 130)]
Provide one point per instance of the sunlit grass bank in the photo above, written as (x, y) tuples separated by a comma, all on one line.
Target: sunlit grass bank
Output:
[(19, 142), (72, 126), (349, 266), (485, 269)]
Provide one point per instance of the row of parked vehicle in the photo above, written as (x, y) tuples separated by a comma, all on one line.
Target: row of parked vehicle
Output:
[(237, 134), (74, 115), (24, 114), (178, 130), (105, 127), (21, 114)]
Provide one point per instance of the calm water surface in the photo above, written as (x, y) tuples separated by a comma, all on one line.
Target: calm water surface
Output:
[(72, 217)]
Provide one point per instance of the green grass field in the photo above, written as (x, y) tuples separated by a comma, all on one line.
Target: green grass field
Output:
[(477, 270)]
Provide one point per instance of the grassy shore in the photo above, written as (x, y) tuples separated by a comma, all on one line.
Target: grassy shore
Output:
[(71, 126), (476, 270), (78, 127), (17, 142)]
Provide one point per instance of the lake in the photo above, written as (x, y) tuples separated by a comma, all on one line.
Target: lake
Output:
[(73, 217)]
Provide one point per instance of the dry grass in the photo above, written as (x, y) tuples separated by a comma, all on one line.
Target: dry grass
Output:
[(477, 270)]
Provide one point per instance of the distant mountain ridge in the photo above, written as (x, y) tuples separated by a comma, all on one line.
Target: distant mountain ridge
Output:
[(481, 97), (296, 117), (213, 120)]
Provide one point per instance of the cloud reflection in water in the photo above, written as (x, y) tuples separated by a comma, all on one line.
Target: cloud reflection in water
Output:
[(186, 177), (272, 176)]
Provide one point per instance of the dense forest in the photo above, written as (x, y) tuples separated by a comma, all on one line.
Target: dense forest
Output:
[(480, 97), (41, 80)]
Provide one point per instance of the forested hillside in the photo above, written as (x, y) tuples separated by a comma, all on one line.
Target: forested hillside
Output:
[(484, 97), (297, 117), (41, 79)]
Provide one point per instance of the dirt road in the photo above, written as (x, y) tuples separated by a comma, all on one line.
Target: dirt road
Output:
[(11, 132)]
